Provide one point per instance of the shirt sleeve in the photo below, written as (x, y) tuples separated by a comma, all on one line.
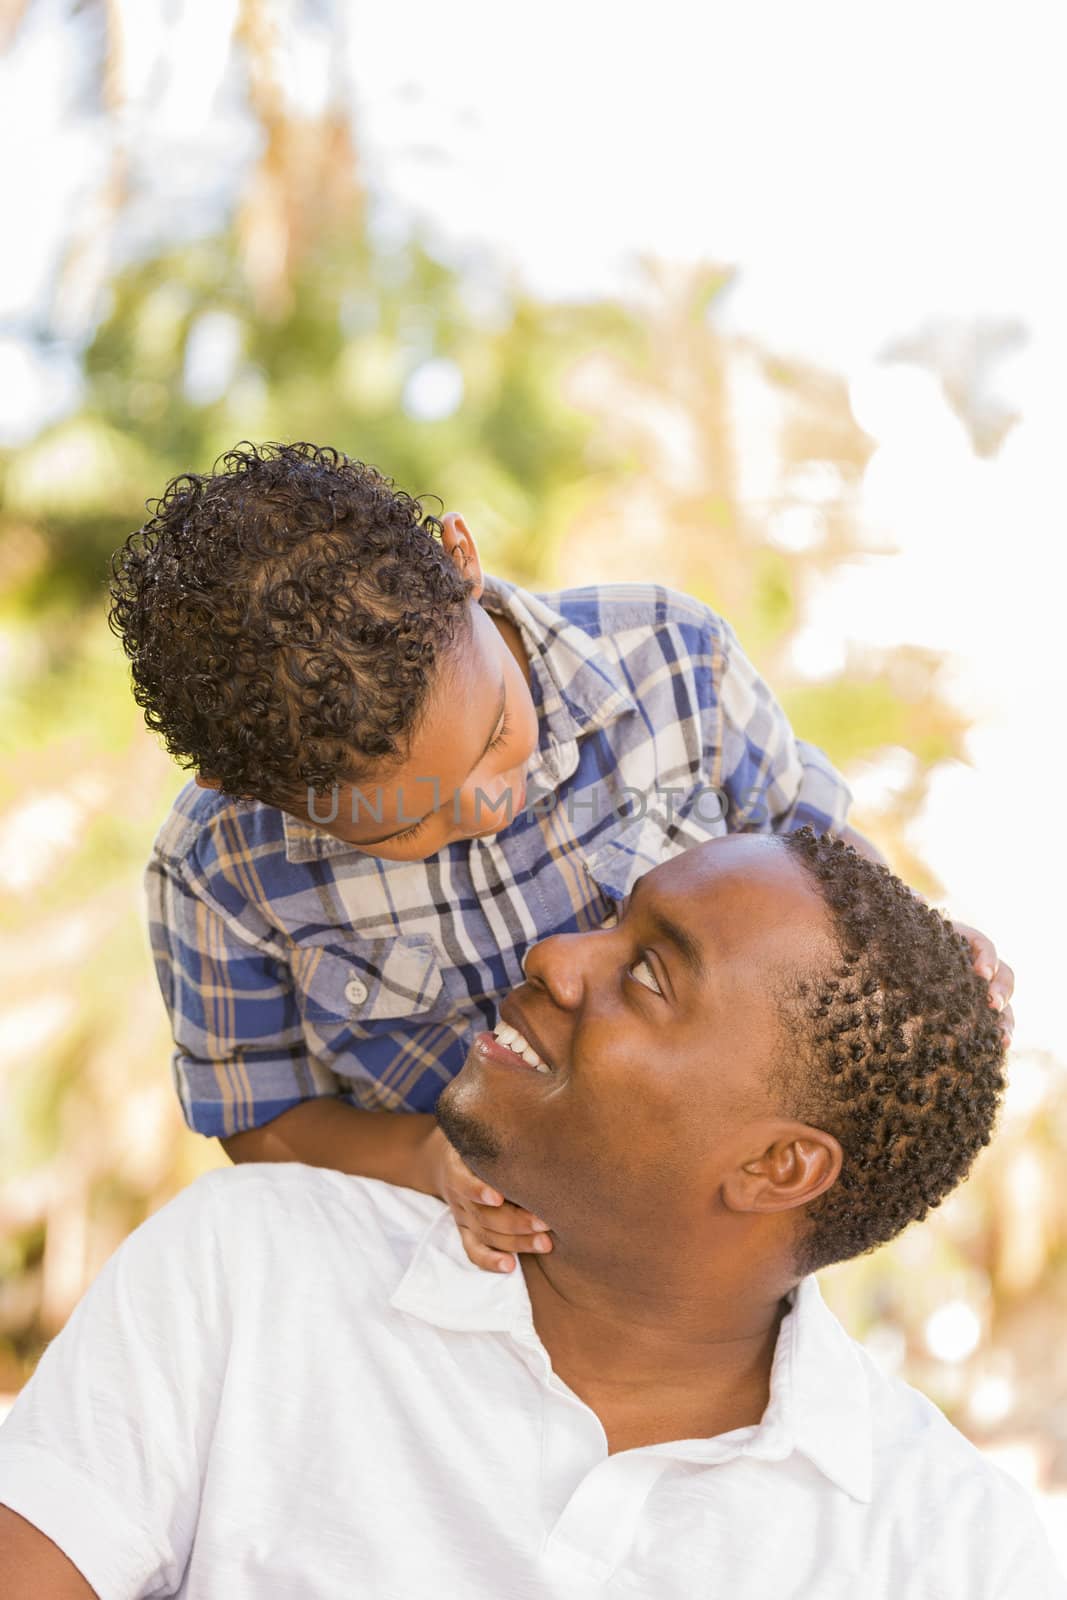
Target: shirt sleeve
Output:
[(772, 781), (105, 1448), (240, 1056)]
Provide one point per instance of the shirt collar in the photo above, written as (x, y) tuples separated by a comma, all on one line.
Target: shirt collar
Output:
[(578, 689), (819, 1398)]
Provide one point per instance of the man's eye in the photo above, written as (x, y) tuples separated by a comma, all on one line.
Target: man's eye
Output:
[(637, 967)]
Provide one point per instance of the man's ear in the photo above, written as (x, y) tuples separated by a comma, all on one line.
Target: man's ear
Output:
[(798, 1164), (206, 783), (459, 543)]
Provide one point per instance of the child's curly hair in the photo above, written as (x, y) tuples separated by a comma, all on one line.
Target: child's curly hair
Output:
[(285, 617), (899, 1056)]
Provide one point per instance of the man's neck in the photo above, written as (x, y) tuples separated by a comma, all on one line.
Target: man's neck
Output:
[(658, 1362)]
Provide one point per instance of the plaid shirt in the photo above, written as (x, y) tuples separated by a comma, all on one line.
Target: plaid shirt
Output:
[(294, 965)]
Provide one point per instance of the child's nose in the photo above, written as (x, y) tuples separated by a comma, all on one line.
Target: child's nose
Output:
[(490, 805)]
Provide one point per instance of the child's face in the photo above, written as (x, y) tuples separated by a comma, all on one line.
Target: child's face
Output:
[(466, 773)]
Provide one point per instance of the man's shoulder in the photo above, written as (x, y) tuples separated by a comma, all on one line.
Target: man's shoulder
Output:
[(273, 1221), (203, 825), (609, 609), (962, 1521), (915, 1442), (296, 1197)]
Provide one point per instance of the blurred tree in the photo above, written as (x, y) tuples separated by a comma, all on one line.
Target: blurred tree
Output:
[(743, 471), (963, 355), (11, 14)]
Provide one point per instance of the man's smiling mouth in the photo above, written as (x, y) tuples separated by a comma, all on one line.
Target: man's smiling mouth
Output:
[(514, 1041)]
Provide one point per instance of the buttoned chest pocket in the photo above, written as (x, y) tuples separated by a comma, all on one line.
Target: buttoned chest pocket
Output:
[(369, 986), (658, 831)]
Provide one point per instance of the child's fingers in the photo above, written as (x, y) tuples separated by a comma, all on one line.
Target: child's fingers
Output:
[(983, 950), (462, 1185), (506, 1227), (508, 1218), (482, 1256), (1002, 987), (518, 1219), (493, 1213), (502, 1239), (464, 1188), (495, 1252), (493, 1234)]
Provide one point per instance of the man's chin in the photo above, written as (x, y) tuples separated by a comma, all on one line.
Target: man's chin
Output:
[(472, 1139)]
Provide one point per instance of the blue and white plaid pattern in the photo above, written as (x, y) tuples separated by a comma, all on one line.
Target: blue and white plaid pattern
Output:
[(293, 965)]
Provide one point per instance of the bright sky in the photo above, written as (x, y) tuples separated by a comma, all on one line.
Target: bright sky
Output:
[(865, 166)]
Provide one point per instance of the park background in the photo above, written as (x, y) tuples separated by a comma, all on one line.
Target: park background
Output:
[(761, 302)]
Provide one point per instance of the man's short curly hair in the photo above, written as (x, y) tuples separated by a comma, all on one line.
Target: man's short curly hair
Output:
[(286, 616), (898, 1054)]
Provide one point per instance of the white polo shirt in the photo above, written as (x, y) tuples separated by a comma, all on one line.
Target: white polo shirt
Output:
[(289, 1382)]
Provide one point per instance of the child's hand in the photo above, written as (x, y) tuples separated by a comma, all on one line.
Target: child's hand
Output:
[(490, 1228), (997, 973)]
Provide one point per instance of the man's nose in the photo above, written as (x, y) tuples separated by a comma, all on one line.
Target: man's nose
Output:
[(559, 965)]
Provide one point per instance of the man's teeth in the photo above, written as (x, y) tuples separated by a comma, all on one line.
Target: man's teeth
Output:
[(505, 1034)]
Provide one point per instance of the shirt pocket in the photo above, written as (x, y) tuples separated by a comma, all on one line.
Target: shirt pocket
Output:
[(367, 987)]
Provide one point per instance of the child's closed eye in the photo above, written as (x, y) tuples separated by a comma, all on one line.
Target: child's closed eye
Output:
[(505, 729), (408, 833)]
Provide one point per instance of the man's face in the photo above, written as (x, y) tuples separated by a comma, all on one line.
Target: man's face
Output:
[(466, 772), (659, 1046)]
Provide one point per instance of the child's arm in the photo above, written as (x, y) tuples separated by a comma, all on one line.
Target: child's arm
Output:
[(328, 1132), (406, 1148)]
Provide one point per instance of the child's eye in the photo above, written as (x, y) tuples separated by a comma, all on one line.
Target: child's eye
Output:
[(505, 729), (654, 986), (408, 833)]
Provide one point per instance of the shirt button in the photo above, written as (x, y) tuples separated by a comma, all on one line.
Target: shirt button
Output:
[(355, 991)]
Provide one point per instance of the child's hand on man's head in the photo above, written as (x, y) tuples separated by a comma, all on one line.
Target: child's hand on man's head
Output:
[(997, 973), (490, 1226)]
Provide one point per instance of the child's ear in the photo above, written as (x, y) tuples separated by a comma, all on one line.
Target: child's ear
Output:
[(458, 542), (207, 783)]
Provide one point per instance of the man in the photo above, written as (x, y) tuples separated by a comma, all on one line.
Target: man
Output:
[(295, 1382)]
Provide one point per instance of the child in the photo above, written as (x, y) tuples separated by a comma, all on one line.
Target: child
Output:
[(407, 774)]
